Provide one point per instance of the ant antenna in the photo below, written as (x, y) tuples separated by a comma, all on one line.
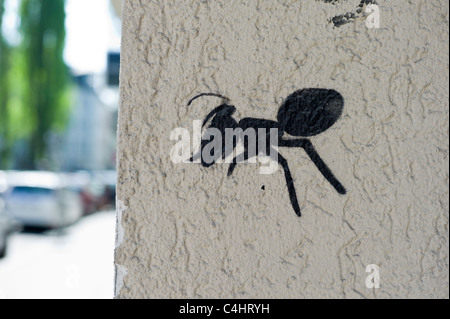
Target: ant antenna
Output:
[(208, 94)]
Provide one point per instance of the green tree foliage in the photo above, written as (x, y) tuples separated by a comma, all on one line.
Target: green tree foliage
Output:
[(4, 57), (34, 82), (46, 79)]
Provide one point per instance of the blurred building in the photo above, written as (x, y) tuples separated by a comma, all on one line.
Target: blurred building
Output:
[(90, 141), (117, 5)]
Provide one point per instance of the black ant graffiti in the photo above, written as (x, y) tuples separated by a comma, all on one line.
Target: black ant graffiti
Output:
[(304, 113)]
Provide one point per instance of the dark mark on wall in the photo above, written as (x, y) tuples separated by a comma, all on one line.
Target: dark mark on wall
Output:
[(331, 1), (304, 113), (350, 16), (342, 19)]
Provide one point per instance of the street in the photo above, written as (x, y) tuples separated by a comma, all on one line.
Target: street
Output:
[(73, 263)]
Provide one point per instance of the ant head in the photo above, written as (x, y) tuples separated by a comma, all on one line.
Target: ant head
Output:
[(308, 112), (223, 111)]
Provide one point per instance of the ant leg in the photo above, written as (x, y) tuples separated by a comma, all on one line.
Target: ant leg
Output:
[(199, 155), (196, 156), (290, 185), (323, 168), (234, 163), (292, 143), (316, 159), (231, 168)]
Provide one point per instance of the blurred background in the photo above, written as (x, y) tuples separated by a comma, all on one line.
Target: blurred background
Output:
[(59, 76)]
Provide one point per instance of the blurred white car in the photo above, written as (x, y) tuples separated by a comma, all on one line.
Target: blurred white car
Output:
[(7, 226), (4, 230), (4, 233), (42, 199)]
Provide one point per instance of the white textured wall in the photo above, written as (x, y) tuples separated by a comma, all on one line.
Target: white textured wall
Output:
[(192, 232)]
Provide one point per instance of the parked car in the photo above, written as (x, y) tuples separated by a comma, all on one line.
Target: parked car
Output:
[(42, 199), (97, 189), (80, 181), (4, 230), (107, 180), (7, 225)]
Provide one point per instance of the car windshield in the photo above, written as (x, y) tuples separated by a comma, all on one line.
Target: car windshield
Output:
[(31, 191)]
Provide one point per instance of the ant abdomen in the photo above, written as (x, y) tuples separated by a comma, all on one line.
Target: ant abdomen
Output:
[(308, 112)]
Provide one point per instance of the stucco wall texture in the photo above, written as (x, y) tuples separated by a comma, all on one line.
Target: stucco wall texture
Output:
[(186, 231)]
